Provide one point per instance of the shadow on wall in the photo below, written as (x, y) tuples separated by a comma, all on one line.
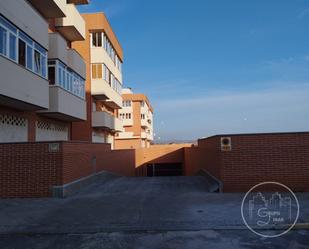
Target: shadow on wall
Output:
[(159, 154)]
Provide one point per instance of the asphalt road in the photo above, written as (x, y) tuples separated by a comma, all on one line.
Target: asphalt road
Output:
[(124, 212)]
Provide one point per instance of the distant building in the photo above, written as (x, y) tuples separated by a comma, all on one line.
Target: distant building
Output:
[(103, 55), (137, 117)]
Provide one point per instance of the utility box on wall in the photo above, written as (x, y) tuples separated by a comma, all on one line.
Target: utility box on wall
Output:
[(226, 143)]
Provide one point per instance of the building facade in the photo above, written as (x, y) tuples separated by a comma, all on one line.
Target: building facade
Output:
[(104, 56), (42, 85), (137, 118)]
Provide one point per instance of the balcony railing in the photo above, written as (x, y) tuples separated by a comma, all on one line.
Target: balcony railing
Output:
[(144, 123), (65, 105), (102, 119), (100, 89), (20, 88)]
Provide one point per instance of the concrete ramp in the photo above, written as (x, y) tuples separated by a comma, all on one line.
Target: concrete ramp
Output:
[(214, 184)]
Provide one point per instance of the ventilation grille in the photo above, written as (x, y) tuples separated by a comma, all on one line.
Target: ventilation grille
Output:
[(50, 126), (12, 120)]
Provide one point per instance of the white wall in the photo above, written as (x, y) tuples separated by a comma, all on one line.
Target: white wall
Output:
[(13, 129), (20, 84), (46, 131)]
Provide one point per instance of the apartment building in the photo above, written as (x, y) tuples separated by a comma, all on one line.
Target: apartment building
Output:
[(42, 85), (104, 57), (137, 118)]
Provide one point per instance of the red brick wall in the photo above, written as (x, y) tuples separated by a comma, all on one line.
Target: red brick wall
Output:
[(84, 159), (78, 159), (201, 158), (30, 170), (255, 158)]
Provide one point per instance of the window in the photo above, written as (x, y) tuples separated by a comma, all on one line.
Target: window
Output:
[(3, 34), (142, 116), (142, 103), (99, 68), (96, 71), (66, 78), (105, 42), (29, 57), (21, 52), (13, 48), (51, 75), (44, 66), (126, 103), (61, 75), (102, 41), (37, 62), (108, 76), (97, 39), (19, 47)]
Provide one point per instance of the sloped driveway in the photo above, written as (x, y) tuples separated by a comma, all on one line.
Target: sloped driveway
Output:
[(132, 208)]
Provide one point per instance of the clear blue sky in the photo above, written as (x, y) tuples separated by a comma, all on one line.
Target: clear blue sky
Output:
[(216, 66)]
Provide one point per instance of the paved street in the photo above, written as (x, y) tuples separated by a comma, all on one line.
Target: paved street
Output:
[(123, 212)]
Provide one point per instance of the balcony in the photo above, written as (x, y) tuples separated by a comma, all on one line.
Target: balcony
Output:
[(101, 119), (22, 89), (72, 26), (144, 123), (79, 1), (101, 90), (146, 135), (64, 105), (70, 57), (143, 134), (149, 137), (50, 8), (57, 47), (99, 55), (119, 125), (76, 62), (23, 15), (127, 122), (125, 135)]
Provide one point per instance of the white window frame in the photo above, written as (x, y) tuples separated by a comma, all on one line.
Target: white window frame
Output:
[(18, 35)]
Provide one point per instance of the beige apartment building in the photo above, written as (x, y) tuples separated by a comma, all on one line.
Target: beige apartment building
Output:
[(137, 118), (104, 57), (42, 85)]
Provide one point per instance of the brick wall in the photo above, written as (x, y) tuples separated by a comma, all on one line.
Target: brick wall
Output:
[(30, 169), (204, 156), (255, 158)]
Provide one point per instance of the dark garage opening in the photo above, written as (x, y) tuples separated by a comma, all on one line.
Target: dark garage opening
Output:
[(164, 169)]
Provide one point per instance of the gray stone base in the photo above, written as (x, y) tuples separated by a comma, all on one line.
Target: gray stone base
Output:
[(71, 188), (215, 185)]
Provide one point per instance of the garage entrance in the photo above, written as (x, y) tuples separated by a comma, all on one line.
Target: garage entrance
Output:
[(164, 169)]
